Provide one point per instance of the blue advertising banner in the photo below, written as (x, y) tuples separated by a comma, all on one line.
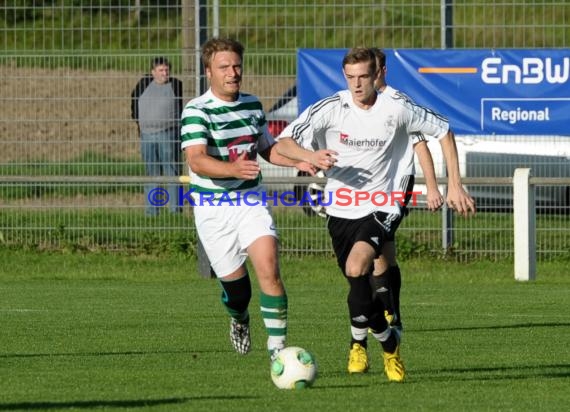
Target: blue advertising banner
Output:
[(522, 91)]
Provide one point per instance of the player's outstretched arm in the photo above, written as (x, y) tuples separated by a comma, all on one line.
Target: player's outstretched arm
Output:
[(457, 197), (433, 195), (323, 159), (272, 156), (203, 164)]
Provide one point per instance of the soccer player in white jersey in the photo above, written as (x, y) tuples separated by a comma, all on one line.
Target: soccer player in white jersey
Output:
[(360, 141), (222, 133), (386, 277)]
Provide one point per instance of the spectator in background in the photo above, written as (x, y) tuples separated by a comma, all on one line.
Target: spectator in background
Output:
[(156, 106)]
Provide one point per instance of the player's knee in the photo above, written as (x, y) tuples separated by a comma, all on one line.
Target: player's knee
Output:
[(354, 270), (380, 266)]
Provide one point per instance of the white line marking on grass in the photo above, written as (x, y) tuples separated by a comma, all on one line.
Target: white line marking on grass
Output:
[(17, 310)]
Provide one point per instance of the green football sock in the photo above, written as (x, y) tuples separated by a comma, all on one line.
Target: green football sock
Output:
[(274, 313)]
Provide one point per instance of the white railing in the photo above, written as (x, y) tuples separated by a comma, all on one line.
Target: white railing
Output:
[(524, 207)]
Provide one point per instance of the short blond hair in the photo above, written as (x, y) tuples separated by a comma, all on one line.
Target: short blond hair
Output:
[(215, 45)]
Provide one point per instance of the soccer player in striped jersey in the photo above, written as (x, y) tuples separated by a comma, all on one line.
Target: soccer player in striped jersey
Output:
[(222, 133), (362, 139)]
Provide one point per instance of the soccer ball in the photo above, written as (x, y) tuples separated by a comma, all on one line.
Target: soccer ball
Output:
[(293, 368)]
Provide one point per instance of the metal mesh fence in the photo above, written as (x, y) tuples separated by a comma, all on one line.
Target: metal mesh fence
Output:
[(67, 69)]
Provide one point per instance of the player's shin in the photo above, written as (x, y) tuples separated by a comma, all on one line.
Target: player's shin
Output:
[(382, 293), (236, 295), (360, 307), (395, 281), (274, 313)]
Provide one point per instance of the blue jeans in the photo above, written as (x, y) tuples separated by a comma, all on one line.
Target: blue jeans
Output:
[(160, 155)]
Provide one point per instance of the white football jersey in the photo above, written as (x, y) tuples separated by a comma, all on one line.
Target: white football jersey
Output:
[(375, 148)]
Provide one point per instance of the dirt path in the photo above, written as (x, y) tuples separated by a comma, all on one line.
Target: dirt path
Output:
[(57, 115)]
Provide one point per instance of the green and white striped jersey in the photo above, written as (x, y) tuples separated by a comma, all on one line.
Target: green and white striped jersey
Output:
[(227, 129)]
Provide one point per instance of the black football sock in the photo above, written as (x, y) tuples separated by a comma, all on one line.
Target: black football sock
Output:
[(360, 307), (390, 344), (236, 295), (395, 280), (381, 290)]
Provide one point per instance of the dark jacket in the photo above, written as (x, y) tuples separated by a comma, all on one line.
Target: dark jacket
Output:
[(143, 84)]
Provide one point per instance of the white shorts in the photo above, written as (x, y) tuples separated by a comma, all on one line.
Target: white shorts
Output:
[(226, 231)]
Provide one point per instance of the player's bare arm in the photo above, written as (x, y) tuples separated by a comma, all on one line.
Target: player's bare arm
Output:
[(457, 198), (203, 164), (433, 195), (323, 159), (273, 156)]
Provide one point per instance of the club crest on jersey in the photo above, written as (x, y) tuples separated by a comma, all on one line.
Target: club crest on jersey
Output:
[(390, 125), (255, 121)]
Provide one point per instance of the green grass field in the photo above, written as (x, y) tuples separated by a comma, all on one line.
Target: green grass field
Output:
[(117, 332)]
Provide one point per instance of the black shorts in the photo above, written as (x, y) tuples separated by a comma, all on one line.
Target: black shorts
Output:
[(374, 229), (407, 181)]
